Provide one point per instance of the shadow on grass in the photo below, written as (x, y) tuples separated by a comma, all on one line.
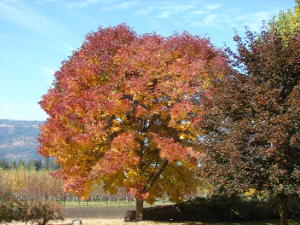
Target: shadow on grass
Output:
[(244, 223)]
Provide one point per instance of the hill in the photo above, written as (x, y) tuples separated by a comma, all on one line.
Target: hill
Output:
[(18, 139)]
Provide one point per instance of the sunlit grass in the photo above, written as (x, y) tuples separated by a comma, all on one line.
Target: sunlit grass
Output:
[(121, 222), (108, 203)]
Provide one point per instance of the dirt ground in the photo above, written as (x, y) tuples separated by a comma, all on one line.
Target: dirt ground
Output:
[(103, 216), (93, 221), (112, 212)]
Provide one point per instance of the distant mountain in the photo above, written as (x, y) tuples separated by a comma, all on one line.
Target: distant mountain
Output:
[(18, 139)]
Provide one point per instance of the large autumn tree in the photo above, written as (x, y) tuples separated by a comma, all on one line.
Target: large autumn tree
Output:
[(252, 122), (124, 112)]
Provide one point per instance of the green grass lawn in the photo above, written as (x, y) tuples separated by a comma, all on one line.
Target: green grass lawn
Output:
[(108, 203), (242, 223), (121, 222), (258, 223)]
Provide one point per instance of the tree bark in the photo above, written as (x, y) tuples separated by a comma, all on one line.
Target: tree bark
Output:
[(139, 209), (283, 210)]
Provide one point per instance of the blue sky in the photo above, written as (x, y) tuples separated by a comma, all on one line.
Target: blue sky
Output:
[(37, 35)]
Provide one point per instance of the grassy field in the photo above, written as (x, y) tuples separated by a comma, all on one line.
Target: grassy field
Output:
[(121, 222), (112, 215), (108, 203)]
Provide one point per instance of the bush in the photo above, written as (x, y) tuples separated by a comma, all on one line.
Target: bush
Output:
[(218, 209), (40, 212), (10, 209), (234, 209)]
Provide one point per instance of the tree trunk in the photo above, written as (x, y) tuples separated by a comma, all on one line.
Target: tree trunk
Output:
[(139, 209), (283, 210)]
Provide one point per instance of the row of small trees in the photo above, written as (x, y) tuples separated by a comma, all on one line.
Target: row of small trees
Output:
[(35, 164), (152, 114), (29, 184)]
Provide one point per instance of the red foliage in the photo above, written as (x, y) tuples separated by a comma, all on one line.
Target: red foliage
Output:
[(124, 107)]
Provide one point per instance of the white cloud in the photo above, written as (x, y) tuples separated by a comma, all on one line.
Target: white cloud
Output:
[(141, 12), (212, 6), (105, 4), (191, 10), (74, 3), (211, 20), (125, 5), (81, 4), (120, 5), (47, 71), (20, 14), (166, 9), (253, 20), (197, 12), (175, 6), (231, 17), (164, 14)]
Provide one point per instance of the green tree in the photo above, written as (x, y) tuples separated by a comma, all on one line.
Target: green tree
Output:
[(287, 23), (34, 164), (4, 164)]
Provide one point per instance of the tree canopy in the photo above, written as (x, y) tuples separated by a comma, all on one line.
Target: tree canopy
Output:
[(125, 110), (287, 23), (252, 122)]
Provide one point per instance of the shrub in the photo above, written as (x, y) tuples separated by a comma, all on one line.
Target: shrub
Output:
[(9, 207), (40, 212)]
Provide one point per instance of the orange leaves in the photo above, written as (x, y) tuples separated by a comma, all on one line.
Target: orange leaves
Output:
[(180, 110), (184, 115), (124, 142), (117, 90), (172, 150), (135, 192), (122, 154), (140, 111)]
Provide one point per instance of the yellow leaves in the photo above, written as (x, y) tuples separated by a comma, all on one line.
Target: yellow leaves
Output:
[(123, 118), (112, 182), (164, 115), (182, 136), (116, 126), (251, 192), (206, 84), (132, 174), (116, 122), (179, 127), (148, 83), (137, 97), (187, 122), (170, 102), (115, 129), (189, 136), (85, 194), (180, 175)]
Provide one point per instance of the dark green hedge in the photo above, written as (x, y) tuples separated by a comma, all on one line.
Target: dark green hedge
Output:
[(218, 209)]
